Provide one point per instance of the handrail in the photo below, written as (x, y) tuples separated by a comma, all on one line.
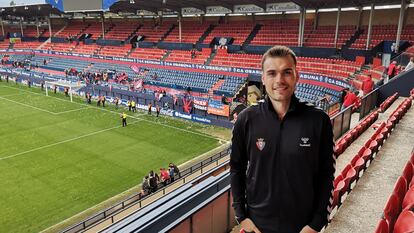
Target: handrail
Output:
[(138, 198)]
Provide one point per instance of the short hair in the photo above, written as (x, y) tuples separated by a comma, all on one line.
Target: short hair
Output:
[(279, 51)]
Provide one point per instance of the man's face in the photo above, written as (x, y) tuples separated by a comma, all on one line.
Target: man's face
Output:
[(280, 78)]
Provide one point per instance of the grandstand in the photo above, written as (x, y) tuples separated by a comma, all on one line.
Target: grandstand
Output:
[(69, 166)]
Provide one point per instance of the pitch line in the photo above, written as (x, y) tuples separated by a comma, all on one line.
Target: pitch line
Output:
[(29, 106), (64, 141)]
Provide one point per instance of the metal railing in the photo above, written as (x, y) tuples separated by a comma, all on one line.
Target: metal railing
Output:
[(137, 199)]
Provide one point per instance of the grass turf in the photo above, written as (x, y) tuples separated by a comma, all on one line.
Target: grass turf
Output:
[(59, 158)]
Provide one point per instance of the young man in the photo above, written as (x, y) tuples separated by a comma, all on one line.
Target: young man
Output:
[(282, 164), (124, 117)]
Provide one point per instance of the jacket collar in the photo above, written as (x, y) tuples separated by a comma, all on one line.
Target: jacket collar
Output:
[(293, 106)]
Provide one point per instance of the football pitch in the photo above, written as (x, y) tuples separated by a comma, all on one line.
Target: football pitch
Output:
[(59, 158)]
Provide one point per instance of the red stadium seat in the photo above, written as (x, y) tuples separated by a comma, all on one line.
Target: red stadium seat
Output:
[(382, 227), (366, 155), (405, 222), (400, 188), (408, 199), (408, 172), (337, 197), (391, 210), (359, 166)]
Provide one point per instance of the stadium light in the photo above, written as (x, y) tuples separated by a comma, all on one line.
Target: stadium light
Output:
[(132, 1)]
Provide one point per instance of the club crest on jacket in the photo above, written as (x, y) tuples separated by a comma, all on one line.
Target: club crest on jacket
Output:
[(260, 144)]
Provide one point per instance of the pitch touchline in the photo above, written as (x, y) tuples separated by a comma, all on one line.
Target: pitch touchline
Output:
[(11, 95), (26, 105), (64, 141), (173, 127)]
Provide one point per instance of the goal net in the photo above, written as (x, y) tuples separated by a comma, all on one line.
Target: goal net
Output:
[(68, 87)]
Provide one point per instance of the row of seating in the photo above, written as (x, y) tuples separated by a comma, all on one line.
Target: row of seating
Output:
[(346, 181), (348, 138), (398, 215), (387, 103), (382, 32), (187, 57)]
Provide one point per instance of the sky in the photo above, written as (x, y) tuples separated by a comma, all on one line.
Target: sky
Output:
[(4, 3)]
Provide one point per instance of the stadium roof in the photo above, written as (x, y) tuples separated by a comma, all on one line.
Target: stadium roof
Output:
[(155, 6), (176, 5), (29, 10)]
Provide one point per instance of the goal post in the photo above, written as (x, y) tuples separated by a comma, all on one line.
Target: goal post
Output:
[(72, 87)]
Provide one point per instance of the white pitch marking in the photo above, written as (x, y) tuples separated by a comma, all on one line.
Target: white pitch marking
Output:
[(64, 141)]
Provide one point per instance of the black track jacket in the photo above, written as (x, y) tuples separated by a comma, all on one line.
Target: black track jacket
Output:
[(282, 171)]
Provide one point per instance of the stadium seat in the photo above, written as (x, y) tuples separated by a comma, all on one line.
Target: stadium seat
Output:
[(405, 222), (367, 155), (359, 166), (391, 210), (408, 199), (400, 188), (382, 227), (408, 172), (337, 197)]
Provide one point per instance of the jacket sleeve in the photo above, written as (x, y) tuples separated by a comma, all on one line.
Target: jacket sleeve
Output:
[(238, 166), (325, 177)]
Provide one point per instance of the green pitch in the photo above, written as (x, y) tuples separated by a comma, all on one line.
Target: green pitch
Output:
[(59, 158)]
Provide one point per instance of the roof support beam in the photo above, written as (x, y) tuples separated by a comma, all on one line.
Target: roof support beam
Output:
[(400, 25), (371, 15)]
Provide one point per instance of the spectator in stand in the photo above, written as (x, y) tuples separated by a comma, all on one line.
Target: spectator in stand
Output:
[(165, 176), (171, 173), (392, 68), (367, 85), (350, 99), (146, 188), (410, 64), (153, 181)]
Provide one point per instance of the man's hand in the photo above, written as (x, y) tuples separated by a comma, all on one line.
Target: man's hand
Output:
[(248, 226), (307, 229)]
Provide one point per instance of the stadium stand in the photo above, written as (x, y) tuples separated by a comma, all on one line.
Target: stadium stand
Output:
[(380, 33), (74, 28), (280, 32), (114, 51), (324, 36), (190, 32), (188, 56), (147, 53), (370, 133), (122, 31), (236, 30), (153, 33)]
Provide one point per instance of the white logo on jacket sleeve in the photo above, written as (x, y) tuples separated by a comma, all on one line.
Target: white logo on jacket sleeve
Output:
[(260, 144), (304, 142)]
